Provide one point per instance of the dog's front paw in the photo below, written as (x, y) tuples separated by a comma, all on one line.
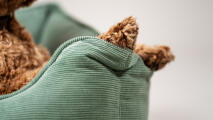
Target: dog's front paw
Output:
[(155, 57)]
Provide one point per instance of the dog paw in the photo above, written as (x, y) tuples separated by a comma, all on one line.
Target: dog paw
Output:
[(123, 34), (156, 57)]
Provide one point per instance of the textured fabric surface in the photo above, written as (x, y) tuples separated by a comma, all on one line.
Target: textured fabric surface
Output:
[(86, 79), (50, 26)]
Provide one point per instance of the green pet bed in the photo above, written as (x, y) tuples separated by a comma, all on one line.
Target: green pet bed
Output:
[(86, 78)]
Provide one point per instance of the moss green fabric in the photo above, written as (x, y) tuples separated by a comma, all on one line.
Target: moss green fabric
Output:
[(50, 26), (86, 78)]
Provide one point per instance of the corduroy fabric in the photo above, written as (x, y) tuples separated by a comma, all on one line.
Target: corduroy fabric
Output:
[(50, 26), (86, 79)]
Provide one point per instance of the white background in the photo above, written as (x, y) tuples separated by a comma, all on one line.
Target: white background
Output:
[(183, 90)]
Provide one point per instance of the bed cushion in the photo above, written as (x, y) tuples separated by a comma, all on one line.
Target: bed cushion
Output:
[(86, 78), (51, 26)]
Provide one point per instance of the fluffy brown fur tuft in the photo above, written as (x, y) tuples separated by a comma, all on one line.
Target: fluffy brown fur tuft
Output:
[(124, 34), (155, 57), (20, 58), (9, 6)]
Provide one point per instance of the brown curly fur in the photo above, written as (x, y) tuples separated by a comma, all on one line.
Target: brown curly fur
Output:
[(9, 6), (20, 58), (124, 34), (155, 57)]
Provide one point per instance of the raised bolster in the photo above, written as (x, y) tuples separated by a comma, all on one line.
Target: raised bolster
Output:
[(77, 84)]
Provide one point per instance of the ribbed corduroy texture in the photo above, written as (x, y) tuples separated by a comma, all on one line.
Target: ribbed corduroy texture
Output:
[(50, 26), (86, 79)]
